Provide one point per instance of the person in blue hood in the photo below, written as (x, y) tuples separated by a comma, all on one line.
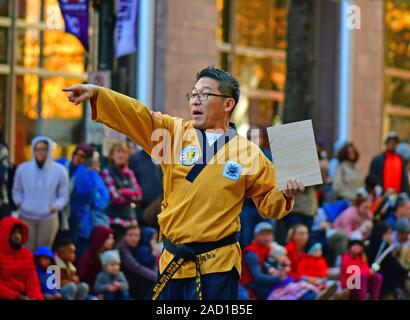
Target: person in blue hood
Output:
[(44, 258), (147, 251)]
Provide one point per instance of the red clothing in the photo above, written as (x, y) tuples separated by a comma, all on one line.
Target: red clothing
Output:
[(89, 264), (262, 253), (312, 267), (348, 260), (392, 171), (295, 258), (126, 195), (18, 273)]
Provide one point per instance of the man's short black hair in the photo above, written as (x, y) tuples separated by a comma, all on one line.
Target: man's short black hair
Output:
[(228, 84)]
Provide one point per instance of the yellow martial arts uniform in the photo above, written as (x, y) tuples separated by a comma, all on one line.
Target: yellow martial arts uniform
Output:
[(206, 209)]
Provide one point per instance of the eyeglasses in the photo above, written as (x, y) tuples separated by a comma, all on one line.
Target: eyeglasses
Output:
[(203, 96)]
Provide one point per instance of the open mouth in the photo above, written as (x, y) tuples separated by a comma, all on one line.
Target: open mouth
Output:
[(196, 112)]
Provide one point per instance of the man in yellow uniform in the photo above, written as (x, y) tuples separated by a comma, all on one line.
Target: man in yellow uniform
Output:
[(208, 170)]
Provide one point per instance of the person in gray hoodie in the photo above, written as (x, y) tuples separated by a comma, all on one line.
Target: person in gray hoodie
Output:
[(40, 190)]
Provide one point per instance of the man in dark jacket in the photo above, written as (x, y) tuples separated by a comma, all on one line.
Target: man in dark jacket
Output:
[(389, 167), (18, 276)]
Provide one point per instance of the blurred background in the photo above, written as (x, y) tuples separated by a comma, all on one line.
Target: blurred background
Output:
[(295, 60)]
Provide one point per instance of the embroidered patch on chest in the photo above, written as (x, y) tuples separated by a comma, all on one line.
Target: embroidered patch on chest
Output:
[(232, 170), (189, 155)]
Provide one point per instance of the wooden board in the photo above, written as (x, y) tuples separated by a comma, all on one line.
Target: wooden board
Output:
[(294, 153)]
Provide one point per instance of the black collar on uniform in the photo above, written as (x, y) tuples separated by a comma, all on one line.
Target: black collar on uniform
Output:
[(207, 151)]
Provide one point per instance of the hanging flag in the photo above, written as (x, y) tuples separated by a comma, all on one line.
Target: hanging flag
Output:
[(75, 14), (126, 27)]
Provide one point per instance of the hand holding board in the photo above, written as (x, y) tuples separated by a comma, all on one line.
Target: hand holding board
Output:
[(294, 153)]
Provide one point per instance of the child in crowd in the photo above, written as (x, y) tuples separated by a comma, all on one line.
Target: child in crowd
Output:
[(147, 252), (356, 274), (44, 258), (313, 268), (140, 277), (102, 239), (71, 287), (278, 263), (111, 283)]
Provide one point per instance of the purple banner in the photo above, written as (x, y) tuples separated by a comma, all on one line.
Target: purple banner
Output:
[(75, 14)]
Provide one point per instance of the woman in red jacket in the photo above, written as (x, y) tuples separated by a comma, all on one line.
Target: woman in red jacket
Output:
[(298, 238), (18, 275), (313, 267), (356, 274)]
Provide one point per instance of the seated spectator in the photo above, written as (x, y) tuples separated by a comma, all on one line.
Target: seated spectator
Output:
[(347, 178), (255, 276), (313, 267), (373, 189), (140, 278), (44, 258), (356, 216), (353, 261), (18, 276), (297, 242), (111, 283), (382, 259), (147, 252), (401, 209), (401, 241), (89, 265), (71, 287), (334, 242)]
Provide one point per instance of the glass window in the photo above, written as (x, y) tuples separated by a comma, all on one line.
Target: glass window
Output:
[(401, 125), (52, 15), (261, 73), (397, 62), (4, 8), (3, 84), (398, 92), (28, 48), (29, 10), (261, 23), (257, 56), (26, 115), (62, 52), (397, 34), (3, 46), (54, 100)]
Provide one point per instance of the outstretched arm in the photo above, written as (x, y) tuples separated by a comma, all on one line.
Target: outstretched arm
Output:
[(121, 113)]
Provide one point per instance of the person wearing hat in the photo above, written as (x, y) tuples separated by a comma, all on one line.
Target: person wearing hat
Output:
[(389, 167), (44, 258), (208, 170), (255, 278), (356, 274), (111, 283), (313, 267)]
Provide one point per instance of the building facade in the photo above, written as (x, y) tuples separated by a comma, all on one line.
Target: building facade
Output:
[(180, 37)]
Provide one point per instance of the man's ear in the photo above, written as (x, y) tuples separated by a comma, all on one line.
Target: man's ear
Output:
[(229, 105)]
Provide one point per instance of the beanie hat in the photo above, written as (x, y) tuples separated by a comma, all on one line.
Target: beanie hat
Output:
[(263, 226), (314, 247), (110, 256)]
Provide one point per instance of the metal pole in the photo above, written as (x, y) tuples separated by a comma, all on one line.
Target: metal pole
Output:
[(11, 85), (145, 65)]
